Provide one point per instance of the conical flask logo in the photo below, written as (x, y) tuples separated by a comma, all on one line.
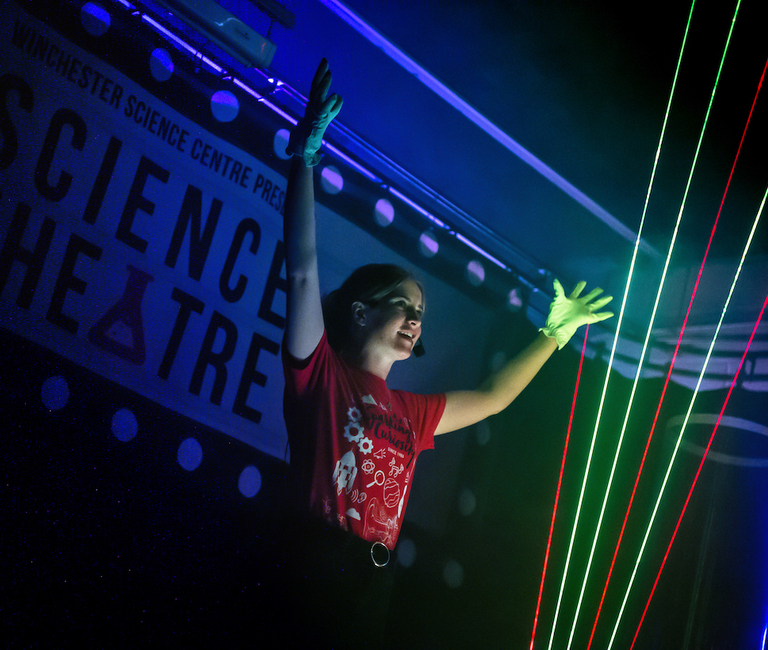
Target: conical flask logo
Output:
[(121, 330)]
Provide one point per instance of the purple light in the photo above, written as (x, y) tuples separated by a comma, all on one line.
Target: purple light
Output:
[(475, 273), (280, 112), (124, 425), (437, 221), (160, 64), (280, 142), (430, 247), (416, 207), (384, 213), (246, 88), (515, 299), (55, 393), (265, 101), (475, 247), (249, 482), (190, 454), (95, 19), (224, 106), (331, 180), (181, 43), (351, 162), (428, 244), (440, 89)]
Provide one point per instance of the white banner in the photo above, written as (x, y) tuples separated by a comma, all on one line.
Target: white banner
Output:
[(134, 242)]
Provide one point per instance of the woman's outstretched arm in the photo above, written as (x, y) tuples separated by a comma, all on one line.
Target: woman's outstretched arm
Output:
[(566, 314), (304, 323)]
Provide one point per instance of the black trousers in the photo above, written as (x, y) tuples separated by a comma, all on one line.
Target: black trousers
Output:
[(328, 592)]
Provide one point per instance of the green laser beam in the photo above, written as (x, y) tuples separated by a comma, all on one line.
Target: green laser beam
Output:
[(619, 323), (687, 417), (650, 329)]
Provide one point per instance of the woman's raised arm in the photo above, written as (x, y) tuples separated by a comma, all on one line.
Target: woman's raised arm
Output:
[(304, 326)]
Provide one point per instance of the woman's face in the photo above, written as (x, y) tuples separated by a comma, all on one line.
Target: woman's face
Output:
[(394, 324)]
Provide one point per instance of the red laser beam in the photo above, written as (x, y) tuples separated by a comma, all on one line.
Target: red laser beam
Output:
[(674, 357), (698, 472), (559, 484)]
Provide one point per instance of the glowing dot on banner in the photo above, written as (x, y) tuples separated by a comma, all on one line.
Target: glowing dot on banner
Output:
[(497, 360), (249, 482), (190, 454), (384, 213), (467, 502), (453, 574), (160, 64), (124, 425), (406, 552), (428, 244), (483, 433), (95, 19), (331, 180), (55, 393), (224, 106), (515, 299), (280, 142), (475, 273)]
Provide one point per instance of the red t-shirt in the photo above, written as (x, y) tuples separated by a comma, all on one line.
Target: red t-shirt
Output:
[(354, 442)]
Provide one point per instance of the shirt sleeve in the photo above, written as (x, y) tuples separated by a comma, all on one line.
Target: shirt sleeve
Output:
[(302, 375), (426, 412)]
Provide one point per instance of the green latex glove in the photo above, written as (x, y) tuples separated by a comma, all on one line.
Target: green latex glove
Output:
[(566, 315), (307, 136)]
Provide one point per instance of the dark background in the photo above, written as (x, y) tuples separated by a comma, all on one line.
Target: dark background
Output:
[(107, 543)]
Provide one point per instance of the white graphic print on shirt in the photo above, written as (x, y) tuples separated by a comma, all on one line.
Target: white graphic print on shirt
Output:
[(382, 447)]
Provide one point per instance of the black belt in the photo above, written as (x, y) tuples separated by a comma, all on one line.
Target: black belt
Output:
[(355, 547), (378, 551)]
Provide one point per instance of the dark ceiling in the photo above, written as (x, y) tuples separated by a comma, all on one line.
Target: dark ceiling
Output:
[(583, 87)]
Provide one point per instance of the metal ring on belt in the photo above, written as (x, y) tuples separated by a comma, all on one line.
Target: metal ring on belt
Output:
[(373, 556)]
